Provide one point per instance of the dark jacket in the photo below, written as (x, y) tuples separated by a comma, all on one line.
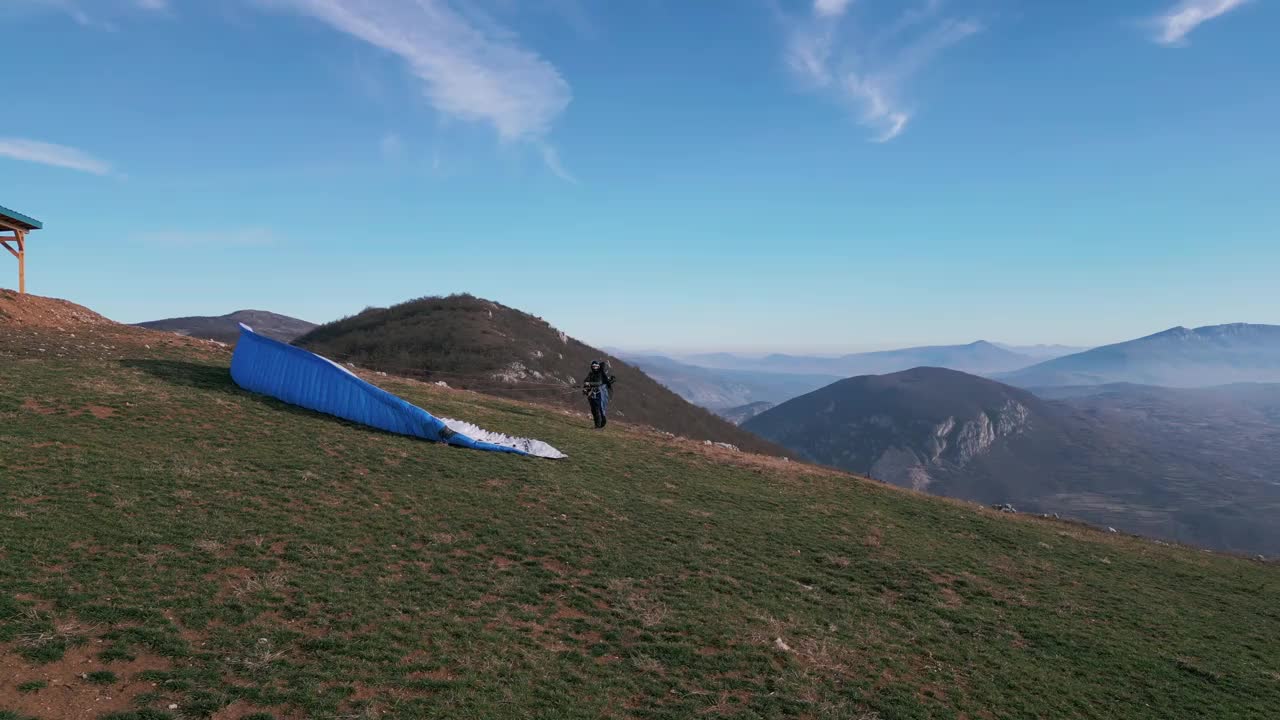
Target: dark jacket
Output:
[(600, 377)]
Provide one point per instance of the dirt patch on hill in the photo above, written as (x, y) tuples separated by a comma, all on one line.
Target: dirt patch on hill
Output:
[(99, 411), (62, 690), (37, 311), (31, 405), (242, 709), (44, 327)]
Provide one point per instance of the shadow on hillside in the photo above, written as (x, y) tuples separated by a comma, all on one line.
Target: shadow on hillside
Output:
[(188, 374), (217, 378)]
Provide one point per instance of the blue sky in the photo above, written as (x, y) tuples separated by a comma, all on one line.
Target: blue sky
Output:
[(746, 175)]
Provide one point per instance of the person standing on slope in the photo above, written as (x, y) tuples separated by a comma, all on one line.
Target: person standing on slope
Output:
[(596, 387)]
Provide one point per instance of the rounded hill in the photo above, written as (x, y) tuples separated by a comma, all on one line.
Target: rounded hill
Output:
[(477, 344)]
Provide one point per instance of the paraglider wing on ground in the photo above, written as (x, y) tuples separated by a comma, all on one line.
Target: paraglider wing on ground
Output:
[(298, 377)]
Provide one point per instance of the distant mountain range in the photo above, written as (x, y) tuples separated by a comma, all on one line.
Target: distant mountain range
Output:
[(1198, 466), (226, 328), (979, 358), (477, 344), (1043, 352), (719, 389), (723, 381), (1178, 357)]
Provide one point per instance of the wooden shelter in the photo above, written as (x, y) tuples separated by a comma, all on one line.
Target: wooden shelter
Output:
[(14, 227)]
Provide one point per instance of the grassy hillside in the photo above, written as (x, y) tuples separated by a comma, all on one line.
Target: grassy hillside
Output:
[(477, 344), (168, 541)]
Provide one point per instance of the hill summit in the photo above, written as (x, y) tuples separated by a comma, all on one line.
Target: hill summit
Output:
[(226, 328), (481, 345), (55, 329), (38, 311), (913, 428)]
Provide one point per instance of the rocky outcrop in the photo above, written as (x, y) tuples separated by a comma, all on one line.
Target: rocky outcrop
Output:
[(951, 444), (977, 435)]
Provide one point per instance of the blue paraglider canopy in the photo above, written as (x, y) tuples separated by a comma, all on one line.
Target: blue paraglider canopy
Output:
[(293, 375)]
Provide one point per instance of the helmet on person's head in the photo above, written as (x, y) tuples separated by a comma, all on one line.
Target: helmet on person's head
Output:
[(595, 364)]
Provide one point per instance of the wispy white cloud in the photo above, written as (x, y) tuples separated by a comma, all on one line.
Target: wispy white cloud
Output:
[(50, 154), (865, 64), (808, 53), (552, 159), (392, 146), (471, 68), (75, 9), (830, 8), (66, 7), (1173, 26), (878, 110)]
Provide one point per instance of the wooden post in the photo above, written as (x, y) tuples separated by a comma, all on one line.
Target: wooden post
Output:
[(19, 238), (22, 262)]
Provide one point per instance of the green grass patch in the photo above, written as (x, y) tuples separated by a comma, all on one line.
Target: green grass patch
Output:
[(32, 686), (101, 677)]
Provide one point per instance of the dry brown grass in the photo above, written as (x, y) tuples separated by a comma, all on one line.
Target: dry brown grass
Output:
[(646, 664), (268, 582), (66, 632), (261, 655), (208, 545)]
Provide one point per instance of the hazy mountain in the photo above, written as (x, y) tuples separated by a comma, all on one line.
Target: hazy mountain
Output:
[(477, 344), (718, 389), (979, 357), (1043, 352), (1236, 428), (1199, 466), (739, 415), (1179, 357), (725, 360), (225, 328)]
